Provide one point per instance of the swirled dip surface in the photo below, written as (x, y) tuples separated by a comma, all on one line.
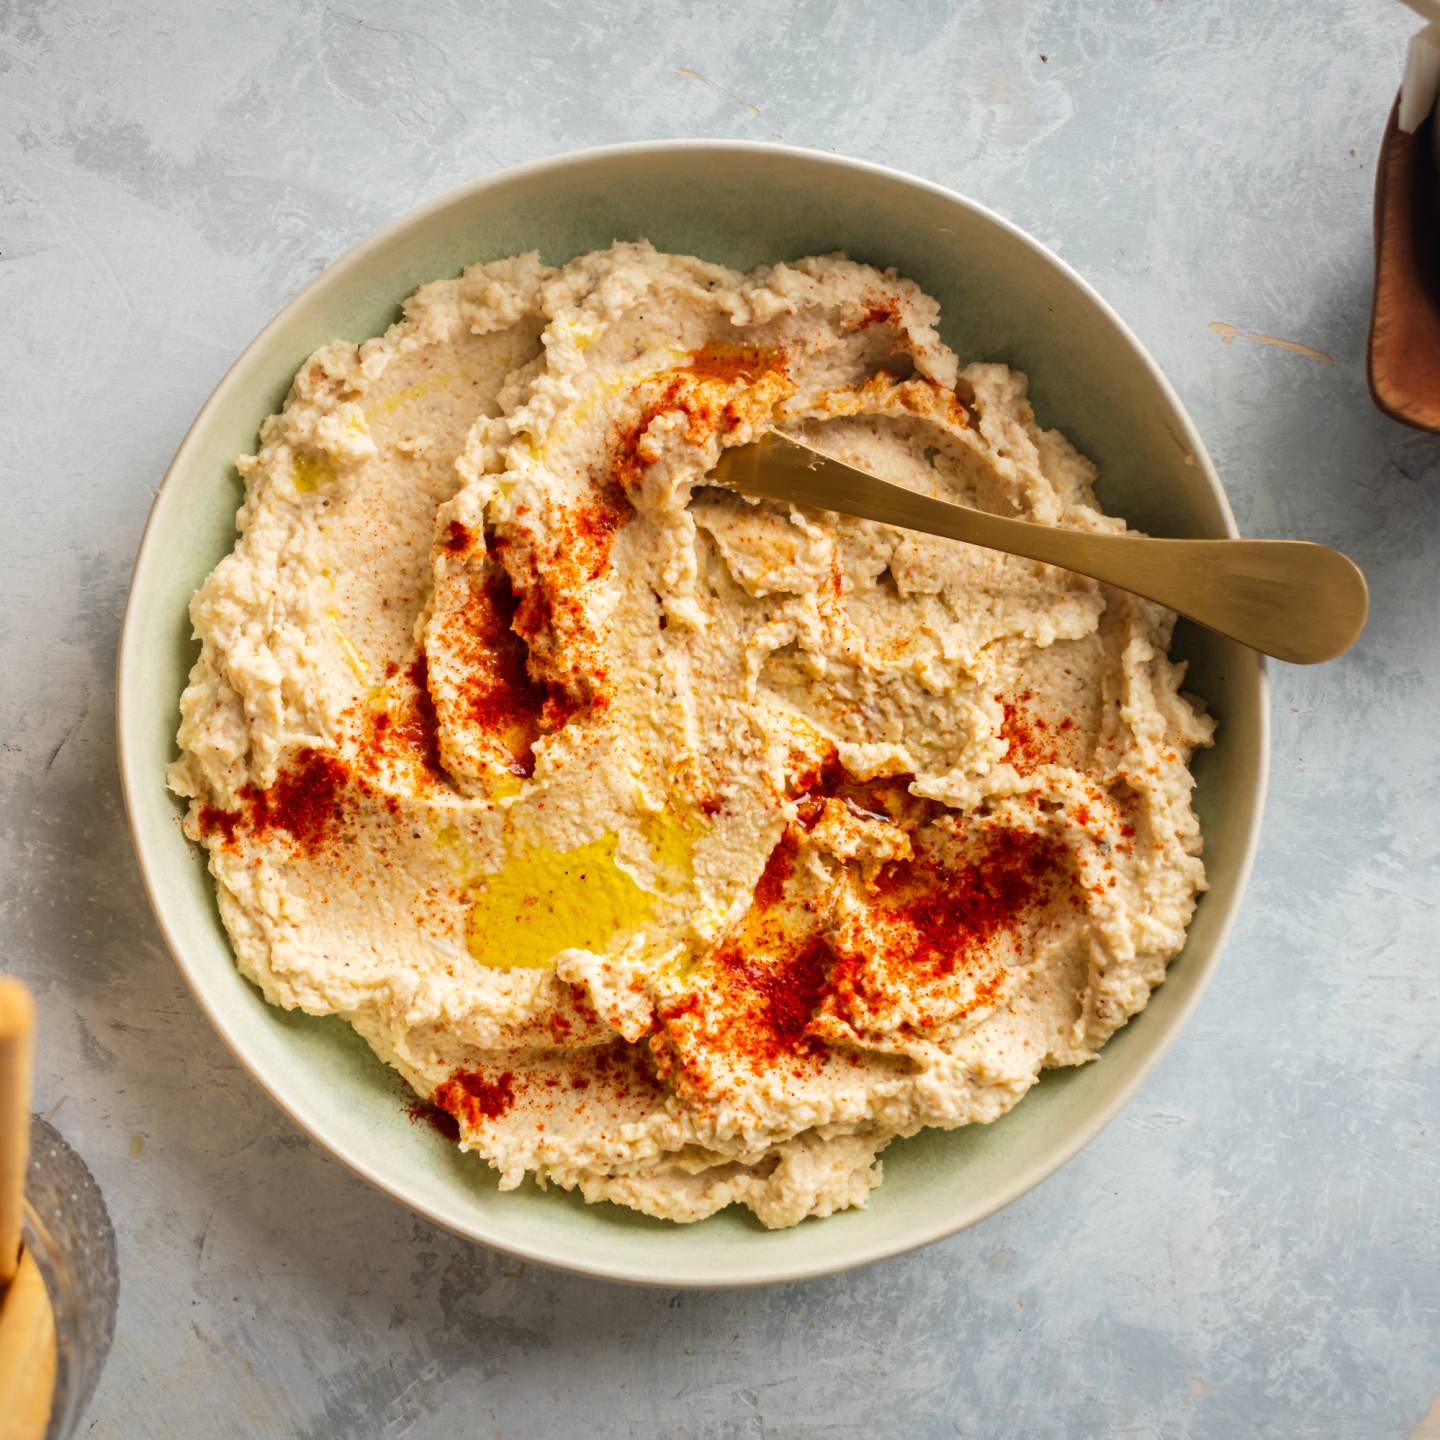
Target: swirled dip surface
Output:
[(681, 848)]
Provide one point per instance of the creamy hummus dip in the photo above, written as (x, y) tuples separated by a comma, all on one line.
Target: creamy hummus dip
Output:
[(680, 848)]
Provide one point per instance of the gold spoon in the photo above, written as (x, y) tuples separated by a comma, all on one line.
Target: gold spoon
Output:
[(1288, 598)]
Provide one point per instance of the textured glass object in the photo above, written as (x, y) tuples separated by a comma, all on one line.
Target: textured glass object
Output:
[(68, 1230)]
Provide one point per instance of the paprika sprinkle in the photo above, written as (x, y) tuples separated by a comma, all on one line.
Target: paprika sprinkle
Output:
[(305, 801), (470, 1098)]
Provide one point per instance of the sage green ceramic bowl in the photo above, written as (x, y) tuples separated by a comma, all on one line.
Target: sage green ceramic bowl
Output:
[(1004, 298)]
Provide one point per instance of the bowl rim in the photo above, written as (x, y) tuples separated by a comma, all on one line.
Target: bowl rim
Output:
[(146, 558)]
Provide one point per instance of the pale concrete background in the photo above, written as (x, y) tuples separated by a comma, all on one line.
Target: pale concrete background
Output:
[(1254, 1249)]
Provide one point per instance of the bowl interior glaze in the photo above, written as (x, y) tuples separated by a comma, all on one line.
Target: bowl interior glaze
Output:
[(1004, 298)]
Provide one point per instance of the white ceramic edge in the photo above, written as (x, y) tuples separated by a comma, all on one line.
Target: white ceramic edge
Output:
[(951, 1224)]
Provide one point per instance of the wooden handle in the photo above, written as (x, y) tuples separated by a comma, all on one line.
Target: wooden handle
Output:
[(17, 1042), (27, 1354), (1403, 359)]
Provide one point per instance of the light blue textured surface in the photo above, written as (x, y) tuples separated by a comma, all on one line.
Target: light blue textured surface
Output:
[(1254, 1248)]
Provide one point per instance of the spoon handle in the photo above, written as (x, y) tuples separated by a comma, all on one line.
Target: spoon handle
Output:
[(1288, 598)]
